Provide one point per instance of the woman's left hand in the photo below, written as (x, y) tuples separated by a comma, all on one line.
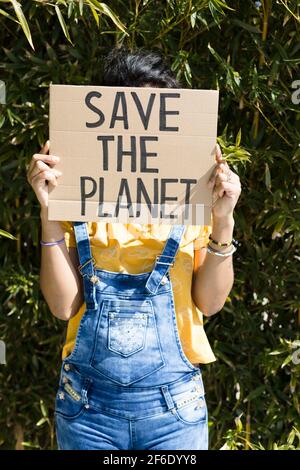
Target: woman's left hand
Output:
[(226, 187)]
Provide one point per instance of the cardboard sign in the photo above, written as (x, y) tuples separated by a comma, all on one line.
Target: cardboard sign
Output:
[(141, 155)]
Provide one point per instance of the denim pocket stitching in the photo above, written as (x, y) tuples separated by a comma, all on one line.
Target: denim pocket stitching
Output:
[(65, 403), (68, 417), (179, 412), (97, 361), (117, 325)]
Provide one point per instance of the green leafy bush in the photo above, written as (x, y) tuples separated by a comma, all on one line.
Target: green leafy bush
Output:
[(251, 52)]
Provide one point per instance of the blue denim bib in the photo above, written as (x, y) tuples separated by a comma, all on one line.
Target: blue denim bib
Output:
[(128, 333)]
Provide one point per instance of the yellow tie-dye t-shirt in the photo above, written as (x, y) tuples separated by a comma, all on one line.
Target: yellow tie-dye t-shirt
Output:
[(132, 248)]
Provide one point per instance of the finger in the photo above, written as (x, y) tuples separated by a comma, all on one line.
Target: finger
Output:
[(228, 176), (231, 189), (50, 159), (219, 156), (220, 177), (45, 149), (44, 176), (223, 166), (219, 169), (218, 153), (41, 166), (54, 172)]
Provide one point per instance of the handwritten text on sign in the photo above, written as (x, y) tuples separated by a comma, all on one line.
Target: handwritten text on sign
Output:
[(132, 154)]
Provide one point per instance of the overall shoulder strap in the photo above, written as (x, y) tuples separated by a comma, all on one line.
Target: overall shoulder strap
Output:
[(166, 259), (87, 262)]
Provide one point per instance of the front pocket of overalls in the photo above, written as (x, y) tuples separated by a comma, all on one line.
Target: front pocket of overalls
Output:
[(127, 346), (68, 402), (192, 412), (190, 405), (126, 332)]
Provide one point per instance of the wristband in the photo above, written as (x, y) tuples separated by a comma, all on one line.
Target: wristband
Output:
[(219, 253), (57, 242), (219, 243)]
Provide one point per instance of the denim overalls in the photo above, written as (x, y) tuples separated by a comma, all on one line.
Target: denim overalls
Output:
[(127, 384)]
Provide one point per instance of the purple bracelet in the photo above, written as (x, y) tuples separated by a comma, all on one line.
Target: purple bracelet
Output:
[(52, 243)]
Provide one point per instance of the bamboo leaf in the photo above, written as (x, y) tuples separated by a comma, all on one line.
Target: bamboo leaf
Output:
[(81, 7), (267, 177), (246, 26), (95, 15), (41, 421), (43, 409), (103, 8), (3, 233), (286, 361), (255, 393), (4, 13), (62, 23), (238, 138), (22, 21)]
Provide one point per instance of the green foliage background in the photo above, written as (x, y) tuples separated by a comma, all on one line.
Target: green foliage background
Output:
[(251, 52)]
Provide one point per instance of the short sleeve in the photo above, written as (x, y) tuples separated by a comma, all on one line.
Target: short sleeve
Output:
[(69, 234), (203, 237)]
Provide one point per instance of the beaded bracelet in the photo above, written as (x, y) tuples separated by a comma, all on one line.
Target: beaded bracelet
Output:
[(57, 242), (219, 243), (219, 253)]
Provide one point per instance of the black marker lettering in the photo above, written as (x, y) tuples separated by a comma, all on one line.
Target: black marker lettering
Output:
[(141, 191), (145, 117), (101, 199), (164, 198), (124, 189), (188, 183), (120, 98), (83, 194), (131, 153), (105, 139), (89, 96), (163, 112), (145, 154)]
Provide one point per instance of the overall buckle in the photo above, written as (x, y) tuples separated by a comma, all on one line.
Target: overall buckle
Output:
[(81, 266), (163, 262)]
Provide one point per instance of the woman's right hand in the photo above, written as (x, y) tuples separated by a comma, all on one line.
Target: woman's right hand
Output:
[(41, 171)]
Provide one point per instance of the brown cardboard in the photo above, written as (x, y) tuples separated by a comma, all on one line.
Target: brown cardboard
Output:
[(178, 133)]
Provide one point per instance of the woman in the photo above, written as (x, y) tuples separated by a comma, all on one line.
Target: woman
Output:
[(130, 376)]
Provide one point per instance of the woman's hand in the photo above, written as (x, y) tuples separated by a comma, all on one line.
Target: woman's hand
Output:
[(41, 171), (226, 188)]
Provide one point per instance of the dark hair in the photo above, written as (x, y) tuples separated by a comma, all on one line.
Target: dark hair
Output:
[(137, 69)]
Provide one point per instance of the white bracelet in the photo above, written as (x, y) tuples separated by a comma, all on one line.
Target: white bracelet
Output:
[(219, 253)]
